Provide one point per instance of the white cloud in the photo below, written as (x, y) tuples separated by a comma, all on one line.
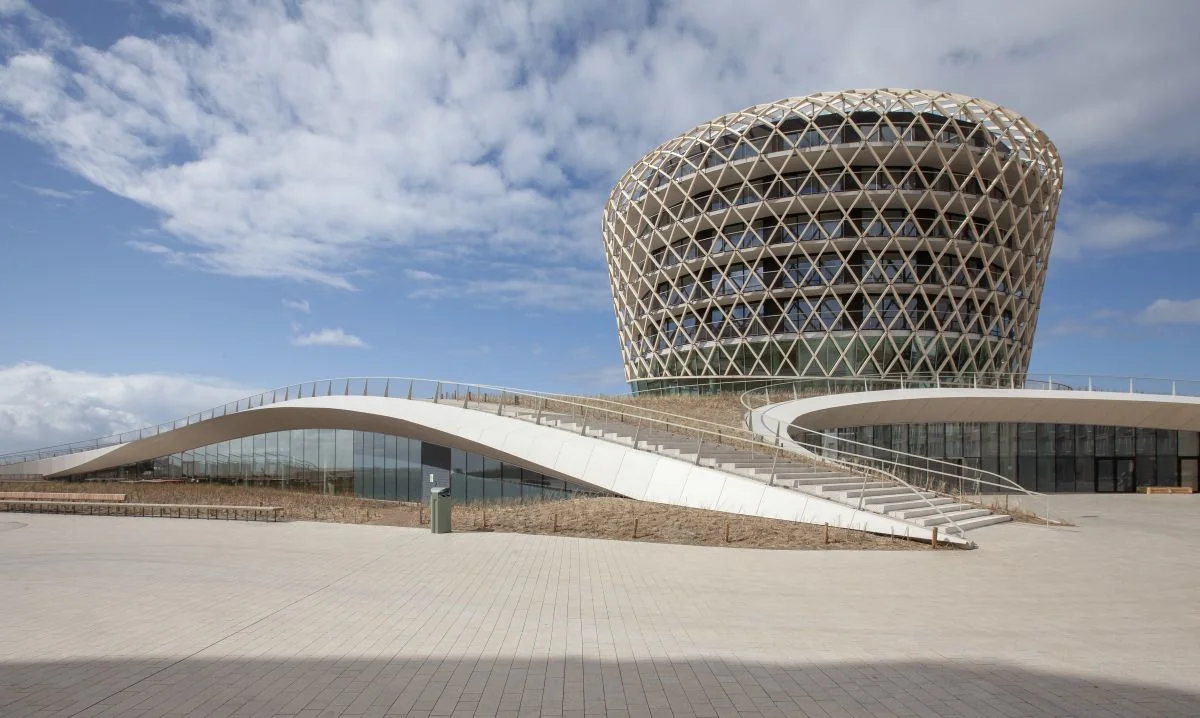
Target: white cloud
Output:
[(1171, 311), (42, 406), (420, 275), (329, 338), (297, 141), (51, 193), (1101, 228), (299, 305)]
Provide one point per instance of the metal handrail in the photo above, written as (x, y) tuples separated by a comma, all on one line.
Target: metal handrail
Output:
[(1073, 382), (452, 390), (782, 430), (1007, 482), (1066, 381), (723, 435)]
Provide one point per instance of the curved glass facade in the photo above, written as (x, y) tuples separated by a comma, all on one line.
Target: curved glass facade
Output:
[(863, 233), (358, 463), (1046, 457)]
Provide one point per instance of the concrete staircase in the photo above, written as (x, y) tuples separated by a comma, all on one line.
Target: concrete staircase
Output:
[(920, 508)]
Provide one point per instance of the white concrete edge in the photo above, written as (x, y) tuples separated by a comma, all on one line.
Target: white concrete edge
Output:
[(918, 406), (562, 454)]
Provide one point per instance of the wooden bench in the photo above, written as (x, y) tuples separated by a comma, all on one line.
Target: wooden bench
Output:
[(58, 496), (170, 511), (1164, 490)]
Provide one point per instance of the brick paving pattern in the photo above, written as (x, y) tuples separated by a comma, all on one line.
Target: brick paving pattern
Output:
[(147, 617)]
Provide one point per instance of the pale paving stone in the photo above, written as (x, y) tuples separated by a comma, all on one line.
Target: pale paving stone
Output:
[(149, 617)]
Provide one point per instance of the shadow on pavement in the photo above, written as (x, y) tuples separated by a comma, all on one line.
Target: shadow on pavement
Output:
[(567, 687)]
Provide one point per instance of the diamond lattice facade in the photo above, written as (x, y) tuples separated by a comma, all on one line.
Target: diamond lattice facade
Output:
[(858, 233)]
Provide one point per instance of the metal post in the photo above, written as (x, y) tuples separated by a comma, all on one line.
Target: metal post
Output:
[(774, 462), (437, 391), (1130, 385), (1050, 381), (410, 385), (500, 408), (387, 385), (1172, 387), (1089, 383)]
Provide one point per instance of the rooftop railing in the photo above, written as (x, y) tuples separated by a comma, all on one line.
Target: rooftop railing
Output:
[(804, 386)]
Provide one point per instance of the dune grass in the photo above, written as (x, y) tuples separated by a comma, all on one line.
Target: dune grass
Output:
[(603, 517)]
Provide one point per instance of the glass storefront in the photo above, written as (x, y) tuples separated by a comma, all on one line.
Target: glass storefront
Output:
[(1047, 457), (358, 463)]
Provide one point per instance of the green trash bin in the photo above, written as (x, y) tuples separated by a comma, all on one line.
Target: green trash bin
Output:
[(439, 510)]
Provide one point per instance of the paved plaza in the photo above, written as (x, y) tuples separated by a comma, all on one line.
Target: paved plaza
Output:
[(133, 616)]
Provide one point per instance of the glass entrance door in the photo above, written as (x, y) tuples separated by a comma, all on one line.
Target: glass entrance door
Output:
[(1115, 475)]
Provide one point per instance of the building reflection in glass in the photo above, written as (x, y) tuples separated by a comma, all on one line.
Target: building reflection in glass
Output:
[(358, 463), (1046, 457)]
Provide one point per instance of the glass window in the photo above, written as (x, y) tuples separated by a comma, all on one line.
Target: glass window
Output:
[(379, 465), (1126, 441), (511, 486), (458, 476), (937, 440), (954, 442), (1189, 443), (1027, 439), (474, 477), (415, 482), (493, 475), (1085, 473), (361, 451), (435, 463), (1189, 473), (1064, 473), (970, 439)]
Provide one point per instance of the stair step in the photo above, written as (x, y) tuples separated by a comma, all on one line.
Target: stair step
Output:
[(898, 496), (805, 474), (908, 502), (875, 488), (975, 523), (956, 516), (927, 510), (846, 481)]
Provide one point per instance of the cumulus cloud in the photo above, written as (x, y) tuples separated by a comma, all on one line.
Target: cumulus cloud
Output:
[(329, 338), (299, 305), (42, 405), (1171, 311), (1102, 228), (297, 141)]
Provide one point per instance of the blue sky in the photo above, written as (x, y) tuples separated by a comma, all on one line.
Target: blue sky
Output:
[(200, 198)]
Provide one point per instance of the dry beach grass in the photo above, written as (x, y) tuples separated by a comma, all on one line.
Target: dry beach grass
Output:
[(607, 518)]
